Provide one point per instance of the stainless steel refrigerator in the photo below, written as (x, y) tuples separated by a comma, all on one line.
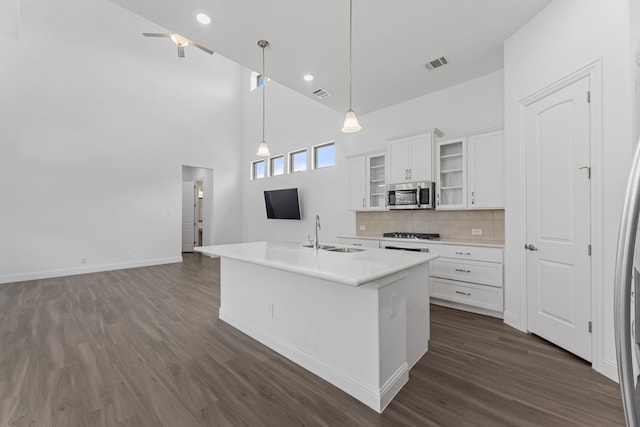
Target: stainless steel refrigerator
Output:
[(627, 299)]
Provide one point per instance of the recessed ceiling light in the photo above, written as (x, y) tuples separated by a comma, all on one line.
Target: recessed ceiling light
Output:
[(308, 77), (203, 18)]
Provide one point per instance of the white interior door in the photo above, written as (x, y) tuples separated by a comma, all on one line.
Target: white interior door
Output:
[(188, 216), (558, 218)]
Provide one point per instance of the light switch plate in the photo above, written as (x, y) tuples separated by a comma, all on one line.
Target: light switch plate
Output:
[(363, 227), (476, 231)]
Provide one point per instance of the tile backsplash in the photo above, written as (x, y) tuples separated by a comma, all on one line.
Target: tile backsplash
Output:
[(452, 225)]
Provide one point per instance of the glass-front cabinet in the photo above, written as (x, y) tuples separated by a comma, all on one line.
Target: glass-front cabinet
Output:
[(376, 181), (451, 174), (367, 182)]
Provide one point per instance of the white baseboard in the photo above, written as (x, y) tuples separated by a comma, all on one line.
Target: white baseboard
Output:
[(513, 320), (393, 385), (609, 369), (376, 399), (465, 307), (11, 278)]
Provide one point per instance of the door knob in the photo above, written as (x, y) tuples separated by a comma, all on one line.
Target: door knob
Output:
[(530, 247)]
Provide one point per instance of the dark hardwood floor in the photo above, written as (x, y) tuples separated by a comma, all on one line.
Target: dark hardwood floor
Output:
[(144, 347)]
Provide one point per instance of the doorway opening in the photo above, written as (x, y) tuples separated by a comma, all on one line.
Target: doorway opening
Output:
[(197, 207)]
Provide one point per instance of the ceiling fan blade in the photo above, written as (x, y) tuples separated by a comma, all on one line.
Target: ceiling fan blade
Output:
[(209, 51), (156, 35), (180, 51)]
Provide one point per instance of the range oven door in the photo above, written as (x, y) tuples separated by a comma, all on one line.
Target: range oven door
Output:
[(401, 248)]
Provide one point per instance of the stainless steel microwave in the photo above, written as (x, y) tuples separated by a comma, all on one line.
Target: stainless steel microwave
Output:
[(411, 195)]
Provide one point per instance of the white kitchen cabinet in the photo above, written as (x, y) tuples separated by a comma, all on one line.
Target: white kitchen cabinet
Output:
[(481, 272), (451, 173), (410, 158), (367, 182), (468, 278), (485, 171), (357, 186), (359, 243), (375, 181)]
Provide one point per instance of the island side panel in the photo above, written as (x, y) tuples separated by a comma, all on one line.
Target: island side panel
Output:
[(411, 296), (404, 298), (328, 328), (418, 314)]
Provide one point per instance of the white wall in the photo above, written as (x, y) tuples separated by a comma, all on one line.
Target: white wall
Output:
[(470, 106), (564, 37), (96, 122), (10, 19), (294, 122)]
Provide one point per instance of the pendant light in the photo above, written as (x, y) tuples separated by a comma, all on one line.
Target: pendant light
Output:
[(263, 148), (350, 121)]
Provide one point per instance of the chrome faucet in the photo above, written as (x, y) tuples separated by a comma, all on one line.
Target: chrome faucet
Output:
[(317, 227)]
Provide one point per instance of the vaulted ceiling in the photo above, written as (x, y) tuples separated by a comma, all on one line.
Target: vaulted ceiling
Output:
[(392, 41)]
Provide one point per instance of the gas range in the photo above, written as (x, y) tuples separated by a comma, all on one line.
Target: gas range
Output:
[(415, 236)]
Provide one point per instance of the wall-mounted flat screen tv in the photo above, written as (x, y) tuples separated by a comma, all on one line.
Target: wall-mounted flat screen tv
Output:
[(282, 204)]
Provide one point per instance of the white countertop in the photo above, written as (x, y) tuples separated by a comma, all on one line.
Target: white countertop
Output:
[(352, 269), (492, 244)]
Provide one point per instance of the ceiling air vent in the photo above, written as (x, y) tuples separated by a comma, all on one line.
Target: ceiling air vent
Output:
[(321, 93), (436, 63)]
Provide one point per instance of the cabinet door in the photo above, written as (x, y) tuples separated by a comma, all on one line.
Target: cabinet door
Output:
[(451, 176), (375, 181), (398, 153), (357, 183), (420, 158), (485, 175)]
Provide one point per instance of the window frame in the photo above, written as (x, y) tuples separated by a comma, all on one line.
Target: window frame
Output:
[(284, 164), (292, 163), (253, 169), (314, 155)]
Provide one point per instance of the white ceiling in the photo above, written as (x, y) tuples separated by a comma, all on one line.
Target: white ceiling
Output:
[(392, 40)]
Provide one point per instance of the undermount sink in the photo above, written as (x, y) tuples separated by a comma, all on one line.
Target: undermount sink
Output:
[(345, 250), (323, 247), (330, 248)]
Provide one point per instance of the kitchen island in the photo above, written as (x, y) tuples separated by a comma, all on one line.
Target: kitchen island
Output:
[(359, 320)]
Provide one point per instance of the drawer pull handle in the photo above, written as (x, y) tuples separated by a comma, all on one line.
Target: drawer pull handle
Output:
[(463, 293), (357, 244), (462, 270), (463, 253)]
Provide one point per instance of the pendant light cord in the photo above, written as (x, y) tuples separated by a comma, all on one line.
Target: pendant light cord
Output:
[(350, 47), (263, 149), (264, 88)]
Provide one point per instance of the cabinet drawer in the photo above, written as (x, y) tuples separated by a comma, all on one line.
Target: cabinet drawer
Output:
[(487, 273), (366, 243), (486, 297), (469, 252)]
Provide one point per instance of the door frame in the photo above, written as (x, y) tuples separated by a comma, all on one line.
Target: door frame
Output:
[(593, 71), (194, 199)]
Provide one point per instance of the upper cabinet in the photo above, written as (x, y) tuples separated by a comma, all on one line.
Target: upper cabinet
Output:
[(375, 176), (357, 187), (367, 182), (410, 158), (470, 172), (451, 174), (485, 171)]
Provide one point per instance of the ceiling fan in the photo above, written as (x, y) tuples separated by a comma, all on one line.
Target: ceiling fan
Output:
[(180, 41)]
